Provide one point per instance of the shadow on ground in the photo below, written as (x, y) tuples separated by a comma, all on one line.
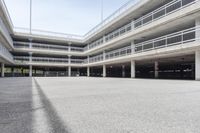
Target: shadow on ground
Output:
[(54, 120), (17, 112)]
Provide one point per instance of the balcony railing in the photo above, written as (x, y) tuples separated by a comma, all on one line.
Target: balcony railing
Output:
[(116, 14), (23, 59), (162, 12), (119, 53), (46, 46), (49, 60), (177, 38), (77, 61), (5, 32), (96, 43), (96, 58), (4, 52), (119, 32), (77, 49), (48, 33)]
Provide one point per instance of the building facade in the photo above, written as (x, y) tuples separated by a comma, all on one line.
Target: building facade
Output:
[(143, 39)]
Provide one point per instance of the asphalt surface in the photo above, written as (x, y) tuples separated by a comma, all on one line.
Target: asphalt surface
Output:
[(99, 105)]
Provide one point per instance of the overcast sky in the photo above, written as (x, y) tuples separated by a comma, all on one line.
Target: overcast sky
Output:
[(67, 16)]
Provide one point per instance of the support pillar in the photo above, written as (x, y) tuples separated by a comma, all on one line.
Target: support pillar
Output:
[(104, 39), (123, 71), (156, 69), (69, 71), (88, 59), (30, 71), (132, 47), (197, 65), (30, 43), (104, 55), (132, 69), (88, 71), (69, 48), (104, 70), (2, 69), (197, 34)]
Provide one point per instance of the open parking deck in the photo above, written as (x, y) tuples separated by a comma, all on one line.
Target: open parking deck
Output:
[(98, 105)]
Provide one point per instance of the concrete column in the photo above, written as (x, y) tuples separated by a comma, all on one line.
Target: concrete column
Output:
[(88, 47), (132, 47), (197, 65), (30, 71), (30, 57), (132, 69), (156, 69), (2, 69), (69, 59), (104, 70), (197, 35), (69, 49), (30, 43), (69, 68), (104, 55), (104, 39), (30, 67), (123, 71), (69, 71), (88, 59), (88, 71), (132, 24)]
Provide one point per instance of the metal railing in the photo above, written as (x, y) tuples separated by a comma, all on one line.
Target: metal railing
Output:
[(76, 49), (177, 38), (50, 60), (5, 32), (77, 61), (116, 14), (96, 58), (23, 59), (96, 43), (4, 7), (48, 33), (21, 44), (162, 12), (4, 52), (18, 44), (118, 32), (150, 17), (119, 53)]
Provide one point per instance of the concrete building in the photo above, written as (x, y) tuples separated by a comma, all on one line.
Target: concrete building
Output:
[(144, 39)]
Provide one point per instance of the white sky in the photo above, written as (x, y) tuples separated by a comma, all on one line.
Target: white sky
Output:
[(66, 16)]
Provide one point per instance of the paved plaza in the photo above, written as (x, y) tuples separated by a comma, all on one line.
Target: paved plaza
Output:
[(99, 105)]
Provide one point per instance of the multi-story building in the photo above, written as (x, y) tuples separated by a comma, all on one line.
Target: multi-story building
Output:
[(143, 39)]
